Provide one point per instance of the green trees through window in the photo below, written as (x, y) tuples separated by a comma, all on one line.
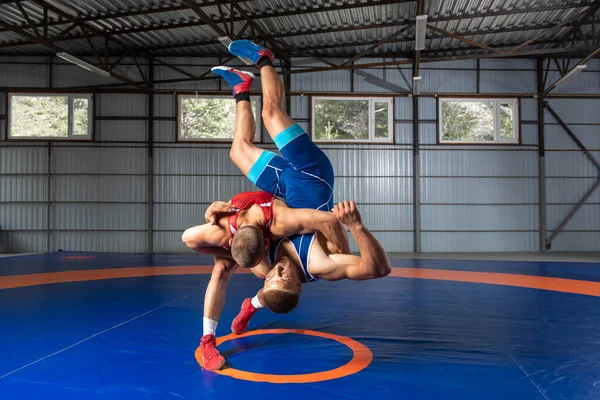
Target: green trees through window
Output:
[(352, 119), (208, 118), (48, 116), (476, 121)]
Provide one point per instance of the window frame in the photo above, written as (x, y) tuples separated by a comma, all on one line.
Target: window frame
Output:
[(180, 96), (372, 100), (516, 140), (71, 97)]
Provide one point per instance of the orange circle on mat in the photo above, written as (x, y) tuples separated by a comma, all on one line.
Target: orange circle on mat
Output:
[(360, 360)]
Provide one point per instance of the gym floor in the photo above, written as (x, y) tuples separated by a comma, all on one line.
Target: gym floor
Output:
[(126, 326)]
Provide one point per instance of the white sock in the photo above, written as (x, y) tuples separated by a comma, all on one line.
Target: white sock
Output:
[(256, 303), (209, 326)]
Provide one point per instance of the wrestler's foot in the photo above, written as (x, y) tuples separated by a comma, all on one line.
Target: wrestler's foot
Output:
[(250, 50), (211, 359), (240, 323), (240, 81)]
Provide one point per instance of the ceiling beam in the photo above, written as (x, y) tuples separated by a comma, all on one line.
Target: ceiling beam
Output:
[(315, 9), (51, 46), (572, 20), (461, 38), (581, 62)]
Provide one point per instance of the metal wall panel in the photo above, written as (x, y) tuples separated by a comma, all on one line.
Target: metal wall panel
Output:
[(169, 242), (479, 218), (23, 188), (374, 190), (586, 82), (428, 133), (577, 241), (300, 107), (99, 160), (586, 218), (479, 163), (570, 164), (22, 242), (465, 188), (196, 189), (557, 138), (121, 105), (15, 216), (529, 134), (528, 111), (403, 134), (427, 108), (164, 105), (479, 190), (403, 108), (178, 217), (575, 111), (210, 161), (23, 160), (330, 81), (121, 131), (115, 217), (91, 188), (442, 81), (27, 75), (508, 64), (508, 82), (70, 75), (371, 162), (164, 132), (442, 242)]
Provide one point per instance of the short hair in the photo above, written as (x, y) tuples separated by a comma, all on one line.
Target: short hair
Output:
[(248, 246), (280, 301)]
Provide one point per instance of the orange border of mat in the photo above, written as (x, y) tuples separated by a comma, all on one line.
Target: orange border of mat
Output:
[(588, 288), (361, 359)]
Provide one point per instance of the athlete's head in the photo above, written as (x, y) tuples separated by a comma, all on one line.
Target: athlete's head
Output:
[(281, 291), (248, 246)]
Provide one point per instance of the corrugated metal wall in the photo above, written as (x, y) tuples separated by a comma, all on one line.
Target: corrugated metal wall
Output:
[(94, 196)]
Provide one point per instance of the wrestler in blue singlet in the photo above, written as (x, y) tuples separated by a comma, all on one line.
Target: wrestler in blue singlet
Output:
[(303, 177)]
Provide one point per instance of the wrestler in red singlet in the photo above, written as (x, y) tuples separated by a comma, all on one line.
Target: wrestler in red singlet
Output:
[(244, 201)]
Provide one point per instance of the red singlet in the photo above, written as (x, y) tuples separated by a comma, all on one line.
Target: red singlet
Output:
[(244, 201)]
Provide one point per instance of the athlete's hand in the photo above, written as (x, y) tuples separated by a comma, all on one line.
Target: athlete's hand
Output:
[(217, 207), (347, 213)]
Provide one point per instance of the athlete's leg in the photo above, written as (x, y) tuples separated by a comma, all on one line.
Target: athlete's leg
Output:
[(274, 116), (214, 299), (303, 154)]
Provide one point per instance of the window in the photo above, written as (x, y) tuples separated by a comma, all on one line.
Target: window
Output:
[(210, 118), (478, 121), (352, 119), (49, 116)]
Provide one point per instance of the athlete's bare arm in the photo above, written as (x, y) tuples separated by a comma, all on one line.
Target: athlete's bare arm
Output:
[(372, 263), (204, 238), (299, 221)]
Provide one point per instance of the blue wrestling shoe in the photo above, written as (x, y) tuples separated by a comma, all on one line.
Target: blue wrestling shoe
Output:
[(250, 50), (240, 81)]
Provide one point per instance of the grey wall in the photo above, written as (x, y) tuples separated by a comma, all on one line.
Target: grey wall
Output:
[(93, 196)]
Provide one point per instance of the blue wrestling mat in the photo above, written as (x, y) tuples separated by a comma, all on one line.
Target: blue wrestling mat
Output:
[(110, 326)]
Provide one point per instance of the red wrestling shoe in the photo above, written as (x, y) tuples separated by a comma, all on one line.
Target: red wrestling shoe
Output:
[(240, 322), (211, 359)]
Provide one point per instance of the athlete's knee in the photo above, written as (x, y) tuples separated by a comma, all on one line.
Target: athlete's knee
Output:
[(239, 148), (271, 108), (222, 272)]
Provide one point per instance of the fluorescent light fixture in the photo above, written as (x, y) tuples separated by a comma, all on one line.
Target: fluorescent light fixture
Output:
[(421, 29), (416, 84), (83, 64), (571, 73), (226, 41)]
